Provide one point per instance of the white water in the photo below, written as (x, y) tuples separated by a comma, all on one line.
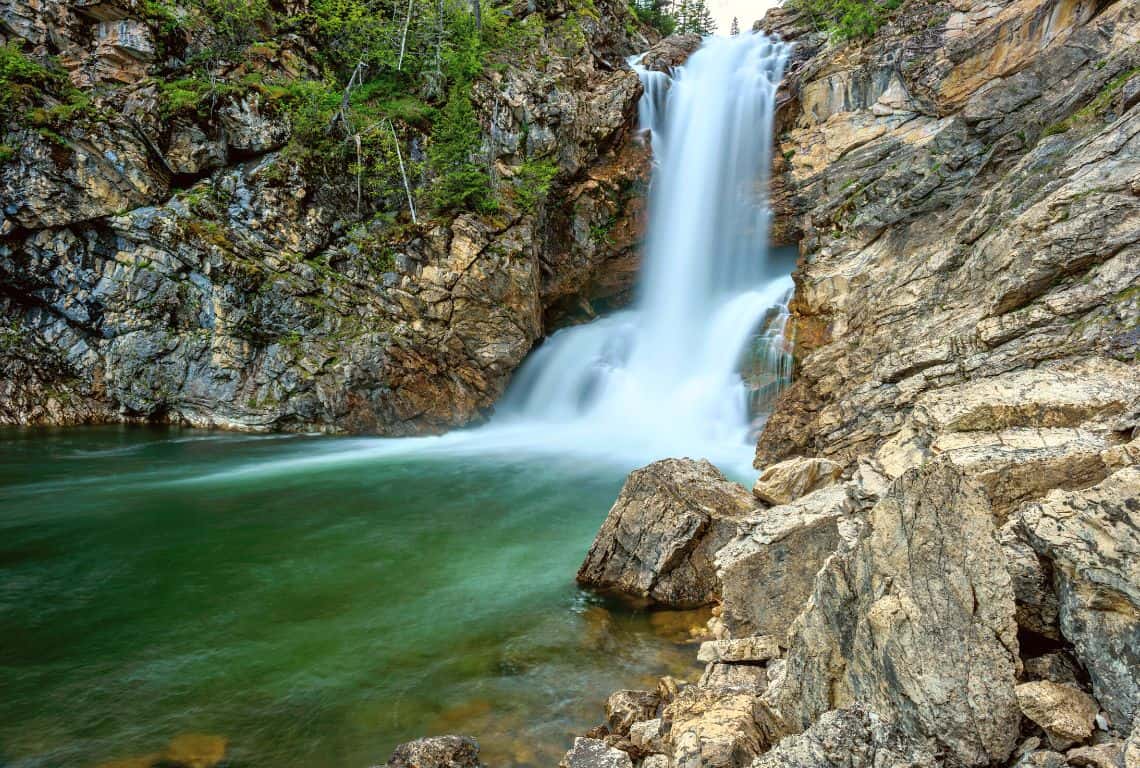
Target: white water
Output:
[(664, 377)]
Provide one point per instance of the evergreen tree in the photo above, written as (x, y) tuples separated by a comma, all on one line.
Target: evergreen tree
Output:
[(735, 28), (702, 23)]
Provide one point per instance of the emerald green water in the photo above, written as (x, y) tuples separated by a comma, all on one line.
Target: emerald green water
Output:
[(316, 601)]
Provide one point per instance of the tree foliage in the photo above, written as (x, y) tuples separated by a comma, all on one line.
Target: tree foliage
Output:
[(846, 20)]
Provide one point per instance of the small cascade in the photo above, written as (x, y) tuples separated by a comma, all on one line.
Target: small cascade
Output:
[(695, 364)]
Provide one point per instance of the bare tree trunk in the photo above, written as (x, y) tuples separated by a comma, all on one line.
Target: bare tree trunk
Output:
[(403, 172), (359, 170), (478, 15), (404, 37)]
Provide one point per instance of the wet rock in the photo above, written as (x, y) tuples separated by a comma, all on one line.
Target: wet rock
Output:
[(1065, 713), (855, 737), (790, 479), (915, 619), (767, 573), (659, 539), (755, 649), (626, 707), (437, 752), (592, 753), (1092, 540)]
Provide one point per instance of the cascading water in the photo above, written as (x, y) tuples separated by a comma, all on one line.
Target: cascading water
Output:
[(665, 378)]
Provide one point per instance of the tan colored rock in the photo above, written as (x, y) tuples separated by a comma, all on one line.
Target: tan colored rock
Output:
[(1106, 754), (789, 480), (1091, 538), (671, 52), (851, 738), (717, 728), (749, 678), (659, 539), (648, 735), (1131, 755), (1058, 667), (767, 573), (1032, 577), (593, 753), (626, 707), (915, 618), (755, 649), (1065, 713)]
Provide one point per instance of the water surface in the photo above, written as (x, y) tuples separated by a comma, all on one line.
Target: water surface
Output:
[(314, 600)]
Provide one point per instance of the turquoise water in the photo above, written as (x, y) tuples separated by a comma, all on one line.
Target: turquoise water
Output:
[(313, 600)]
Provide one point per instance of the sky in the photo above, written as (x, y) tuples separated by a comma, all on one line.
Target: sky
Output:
[(747, 11)]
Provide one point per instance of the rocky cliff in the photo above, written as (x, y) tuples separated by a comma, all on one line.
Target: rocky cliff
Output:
[(939, 564), (209, 216)]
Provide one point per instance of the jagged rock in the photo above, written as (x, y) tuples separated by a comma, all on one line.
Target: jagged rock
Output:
[(1092, 540), (788, 480), (1058, 667), (437, 752), (592, 753), (670, 52), (717, 728), (656, 761), (915, 619), (1065, 713), (767, 573), (755, 649), (648, 735), (855, 737), (626, 707), (1037, 608), (659, 539), (1041, 758), (751, 678), (1107, 754), (1132, 746)]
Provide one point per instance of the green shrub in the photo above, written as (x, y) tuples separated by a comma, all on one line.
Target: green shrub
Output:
[(532, 182), (460, 183), (846, 19)]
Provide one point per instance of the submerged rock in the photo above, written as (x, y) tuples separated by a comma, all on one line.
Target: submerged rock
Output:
[(915, 618), (660, 537), (437, 752)]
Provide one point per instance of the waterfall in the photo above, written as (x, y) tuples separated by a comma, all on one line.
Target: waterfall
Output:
[(682, 372)]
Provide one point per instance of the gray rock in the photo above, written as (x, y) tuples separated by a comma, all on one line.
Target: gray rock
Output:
[(751, 678), (659, 539), (790, 479), (854, 737), (1092, 540), (437, 752), (755, 649), (915, 619), (626, 707), (593, 753)]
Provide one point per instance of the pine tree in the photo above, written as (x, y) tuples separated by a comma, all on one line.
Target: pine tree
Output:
[(702, 23), (735, 28)]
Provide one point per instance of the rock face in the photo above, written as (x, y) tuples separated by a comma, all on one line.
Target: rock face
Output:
[(593, 753), (916, 620), (658, 541), (437, 752), (168, 264), (787, 481), (1091, 539), (768, 572), (850, 738)]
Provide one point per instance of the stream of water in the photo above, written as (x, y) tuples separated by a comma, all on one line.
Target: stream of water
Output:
[(317, 600)]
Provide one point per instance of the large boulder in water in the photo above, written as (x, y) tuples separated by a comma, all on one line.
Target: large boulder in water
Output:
[(659, 539), (437, 752), (672, 51), (915, 618)]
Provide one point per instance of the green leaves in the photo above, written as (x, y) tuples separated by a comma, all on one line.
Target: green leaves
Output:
[(845, 20)]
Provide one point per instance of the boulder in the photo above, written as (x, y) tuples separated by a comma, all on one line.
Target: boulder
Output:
[(767, 573), (755, 649), (671, 52), (437, 752), (1041, 758), (1065, 713), (1091, 538), (626, 707), (659, 539), (717, 728), (648, 735), (790, 479), (915, 618), (593, 753), (850, 738)]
